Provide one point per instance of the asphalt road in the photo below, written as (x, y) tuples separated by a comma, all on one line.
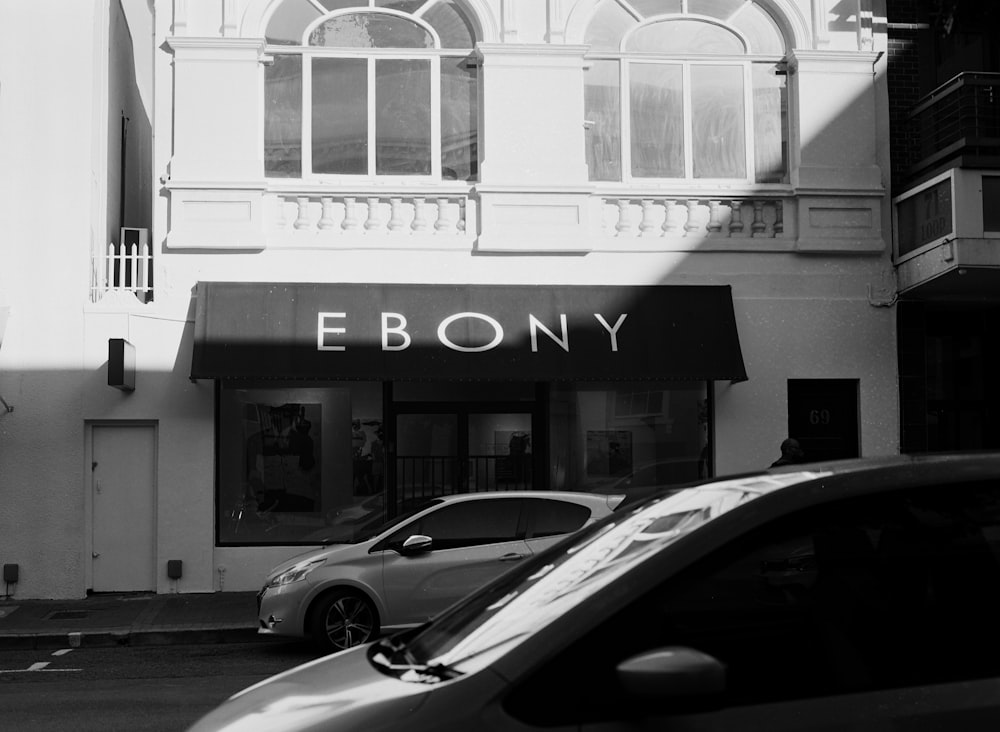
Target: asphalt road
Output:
[(152, 688)]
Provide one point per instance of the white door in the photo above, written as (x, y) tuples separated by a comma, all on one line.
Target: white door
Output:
[(123, 484)]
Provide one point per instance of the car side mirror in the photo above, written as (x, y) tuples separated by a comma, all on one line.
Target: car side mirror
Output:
[(670, 673), (416, 544)]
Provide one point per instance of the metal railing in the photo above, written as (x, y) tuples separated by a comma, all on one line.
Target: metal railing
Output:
[(429, 476), (960, 117)]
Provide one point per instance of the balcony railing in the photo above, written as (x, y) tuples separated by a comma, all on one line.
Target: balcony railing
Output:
[(961, 118), (123, 269), (730, 218), (377, 213)]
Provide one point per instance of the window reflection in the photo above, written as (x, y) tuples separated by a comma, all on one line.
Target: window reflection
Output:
[(368, 114), (685, 114), (299, 465)]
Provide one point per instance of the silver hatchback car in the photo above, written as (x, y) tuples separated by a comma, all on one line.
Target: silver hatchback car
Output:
[(403, 572)]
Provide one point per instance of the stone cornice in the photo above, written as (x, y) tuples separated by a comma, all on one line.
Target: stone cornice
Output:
[(833, 61), (210, 48)]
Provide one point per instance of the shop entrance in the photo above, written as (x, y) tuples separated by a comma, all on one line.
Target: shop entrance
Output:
[(447, 448)]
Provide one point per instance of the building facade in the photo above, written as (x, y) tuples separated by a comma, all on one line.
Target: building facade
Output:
[(399, 248), (944, 72)]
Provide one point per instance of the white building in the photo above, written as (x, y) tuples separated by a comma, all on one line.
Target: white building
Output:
[(411, 246)]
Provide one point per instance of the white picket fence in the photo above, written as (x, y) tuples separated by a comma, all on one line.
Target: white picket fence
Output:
[(123, 268)]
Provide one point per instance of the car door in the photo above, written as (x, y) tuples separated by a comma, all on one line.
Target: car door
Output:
[(876, 613), (472, 542)]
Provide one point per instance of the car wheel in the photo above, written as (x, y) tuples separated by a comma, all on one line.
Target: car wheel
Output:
[(343, 619)]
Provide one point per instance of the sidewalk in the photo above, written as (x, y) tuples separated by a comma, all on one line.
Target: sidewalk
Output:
[(128, 619)]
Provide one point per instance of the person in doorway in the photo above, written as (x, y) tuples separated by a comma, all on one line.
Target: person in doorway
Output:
[(791, 453)]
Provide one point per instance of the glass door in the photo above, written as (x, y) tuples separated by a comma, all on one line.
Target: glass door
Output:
[(426, 457), (458, 448), (499, 451)]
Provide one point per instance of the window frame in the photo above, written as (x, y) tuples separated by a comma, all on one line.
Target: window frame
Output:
[(746, 61), (307, 53)]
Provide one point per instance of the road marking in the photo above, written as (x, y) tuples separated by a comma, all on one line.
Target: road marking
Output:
[(41, 666), (36, 670)]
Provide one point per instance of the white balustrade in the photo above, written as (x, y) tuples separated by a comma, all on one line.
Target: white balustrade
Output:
[(756, 217), (394, 214)]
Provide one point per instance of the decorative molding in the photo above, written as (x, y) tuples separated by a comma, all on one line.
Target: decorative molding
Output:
[(211, 49)]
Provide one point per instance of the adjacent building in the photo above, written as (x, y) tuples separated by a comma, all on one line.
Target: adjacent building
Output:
[(944, 91), (399, 248)]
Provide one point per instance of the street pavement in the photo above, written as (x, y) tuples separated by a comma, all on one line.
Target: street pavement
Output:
[(128, 619)]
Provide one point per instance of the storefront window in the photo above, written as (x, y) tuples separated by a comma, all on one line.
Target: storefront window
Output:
[(299, 465), (628, 437)]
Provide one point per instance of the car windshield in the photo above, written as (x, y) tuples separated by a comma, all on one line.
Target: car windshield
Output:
[(521, 603)]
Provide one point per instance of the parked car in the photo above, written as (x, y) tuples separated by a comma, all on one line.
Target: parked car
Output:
[(401, 573), (834, 596)]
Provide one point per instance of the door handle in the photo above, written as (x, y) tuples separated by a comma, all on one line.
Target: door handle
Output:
[(511, 557)]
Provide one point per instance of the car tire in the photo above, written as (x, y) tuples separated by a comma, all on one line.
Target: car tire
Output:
[(343, 619)]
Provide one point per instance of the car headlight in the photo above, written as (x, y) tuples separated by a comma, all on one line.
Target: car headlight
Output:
[(296, 573)]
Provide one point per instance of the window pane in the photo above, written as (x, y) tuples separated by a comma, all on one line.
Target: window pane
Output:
[(288, 462), (332, 5), (551, 518), (340, 116), (289, 22), (991, 203), (473, 523), (717, 122), (595, 441), (683, 37), (402, 117), (370, 30), (722, 9), (283, 117), (452, 25), (649, 8), (657, 126), (459, 120), (770, 123), (761, 31), (602, 99), (608, 26), (406, 6), (426, 456)]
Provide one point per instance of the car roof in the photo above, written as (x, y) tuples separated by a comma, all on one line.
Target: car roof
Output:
[(565, 495), (860, 476)]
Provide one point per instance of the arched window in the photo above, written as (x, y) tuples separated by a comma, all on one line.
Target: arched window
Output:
[(369, 88), (686, 90)]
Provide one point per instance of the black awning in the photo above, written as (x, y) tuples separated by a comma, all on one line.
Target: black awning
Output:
[(497, 332)]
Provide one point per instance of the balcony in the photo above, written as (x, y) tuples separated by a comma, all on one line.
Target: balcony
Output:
[(958, 124)]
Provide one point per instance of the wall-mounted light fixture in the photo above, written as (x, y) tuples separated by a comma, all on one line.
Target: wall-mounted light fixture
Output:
[(175, 568), (10, 575), (121, 364)]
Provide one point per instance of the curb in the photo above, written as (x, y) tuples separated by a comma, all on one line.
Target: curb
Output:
[(107, 638)]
